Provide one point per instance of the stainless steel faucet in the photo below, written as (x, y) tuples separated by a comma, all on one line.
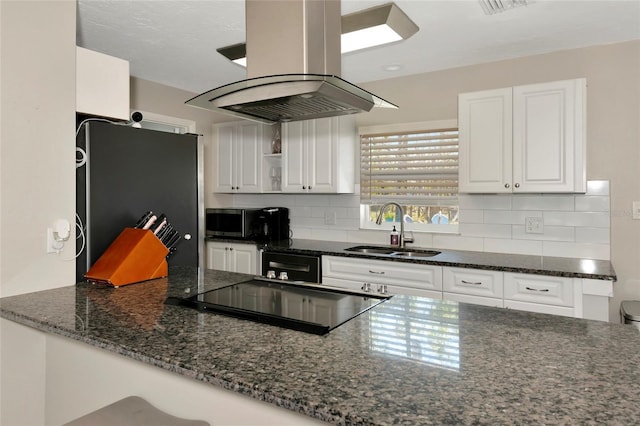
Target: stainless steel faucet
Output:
[(399, 208)]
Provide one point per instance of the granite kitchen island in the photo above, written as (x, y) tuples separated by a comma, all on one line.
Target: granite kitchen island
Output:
[(408, 361)]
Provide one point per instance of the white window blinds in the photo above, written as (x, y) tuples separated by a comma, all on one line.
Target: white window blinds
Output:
[(418, 168)]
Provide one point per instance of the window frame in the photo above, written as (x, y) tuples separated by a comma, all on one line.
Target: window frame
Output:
[(365, 224)]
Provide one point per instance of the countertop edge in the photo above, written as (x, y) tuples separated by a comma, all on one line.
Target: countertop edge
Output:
[(298, 246), (534, 271)]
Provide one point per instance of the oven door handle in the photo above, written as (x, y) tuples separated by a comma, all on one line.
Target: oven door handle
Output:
[(289, 266)]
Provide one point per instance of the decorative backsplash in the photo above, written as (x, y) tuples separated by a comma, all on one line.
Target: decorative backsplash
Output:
[(574, 225)]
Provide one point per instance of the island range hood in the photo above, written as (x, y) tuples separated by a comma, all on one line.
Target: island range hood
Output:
[(293, 66)]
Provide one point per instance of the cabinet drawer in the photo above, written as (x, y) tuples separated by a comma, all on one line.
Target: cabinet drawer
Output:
[(425, 277), (472, 282), (556, 291), (390, 289)]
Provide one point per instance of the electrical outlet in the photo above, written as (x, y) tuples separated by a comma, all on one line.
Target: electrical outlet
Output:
[(533, 225), (330, 218), (53, 245), (635, 210)]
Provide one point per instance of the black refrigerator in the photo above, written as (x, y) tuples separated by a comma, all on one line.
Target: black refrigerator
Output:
[(129, 171)]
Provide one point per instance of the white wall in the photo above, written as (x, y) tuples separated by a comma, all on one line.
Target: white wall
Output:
[(37, 141)]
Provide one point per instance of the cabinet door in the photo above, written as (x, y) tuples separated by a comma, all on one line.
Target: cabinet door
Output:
[(485, 141), (217, 256), (549, 137), (243, 258), (322, 155), (375, 272), (248, 161), (375, 288), (225, 160), (294, 158)]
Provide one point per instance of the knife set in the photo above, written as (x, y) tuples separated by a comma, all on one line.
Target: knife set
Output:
[(137, 254)]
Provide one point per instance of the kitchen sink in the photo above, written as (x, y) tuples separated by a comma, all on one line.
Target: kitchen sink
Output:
[(371, 250), (393, 252), (415, 253)]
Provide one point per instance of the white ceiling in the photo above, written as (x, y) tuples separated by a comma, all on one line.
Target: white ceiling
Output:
[(175, 42)]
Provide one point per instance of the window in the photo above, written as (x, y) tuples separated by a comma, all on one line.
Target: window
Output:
[(417, 169)]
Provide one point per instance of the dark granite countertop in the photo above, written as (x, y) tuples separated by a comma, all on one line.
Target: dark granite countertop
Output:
[(526, 264), (408, 361)]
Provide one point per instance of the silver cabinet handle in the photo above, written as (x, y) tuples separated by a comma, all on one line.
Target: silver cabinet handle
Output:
[(366, 287), (543, 290), (382, 289), (506, 185), (376, 272), (517, 185), (472, 282)]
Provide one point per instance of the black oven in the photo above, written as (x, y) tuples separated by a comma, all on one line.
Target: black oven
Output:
[(292, 266)]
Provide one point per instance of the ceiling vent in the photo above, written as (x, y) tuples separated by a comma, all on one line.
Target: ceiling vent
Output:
[(492, 7)]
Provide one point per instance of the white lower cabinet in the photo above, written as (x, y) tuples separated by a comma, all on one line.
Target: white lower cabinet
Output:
[(382, 276), (232, 257), (473, 286), (572, 297), (545, 294)]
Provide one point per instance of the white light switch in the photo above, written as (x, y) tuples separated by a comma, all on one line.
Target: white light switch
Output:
[(636, 209)]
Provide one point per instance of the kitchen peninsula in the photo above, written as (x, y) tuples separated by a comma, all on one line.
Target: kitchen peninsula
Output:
[(408, 361)]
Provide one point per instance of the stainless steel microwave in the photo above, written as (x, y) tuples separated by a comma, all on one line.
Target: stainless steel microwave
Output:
[(231, 222)]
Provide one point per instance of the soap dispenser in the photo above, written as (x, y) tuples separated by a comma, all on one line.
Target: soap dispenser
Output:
[(394, 237)]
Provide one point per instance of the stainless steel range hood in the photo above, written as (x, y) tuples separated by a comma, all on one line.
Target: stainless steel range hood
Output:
[(293, 66)]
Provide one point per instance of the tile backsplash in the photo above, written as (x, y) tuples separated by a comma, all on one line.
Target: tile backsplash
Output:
[(574, 225)]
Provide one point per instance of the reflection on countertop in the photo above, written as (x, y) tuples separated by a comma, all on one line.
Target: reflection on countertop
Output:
[(420, 329)]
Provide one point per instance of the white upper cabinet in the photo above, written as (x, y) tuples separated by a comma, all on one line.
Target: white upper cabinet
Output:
[(318, 155), (238, 151), (485, 141), (102, 84), (524, 139), (549, 136)]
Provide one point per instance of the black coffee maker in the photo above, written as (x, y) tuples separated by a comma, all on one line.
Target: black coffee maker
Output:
[(273, 224)]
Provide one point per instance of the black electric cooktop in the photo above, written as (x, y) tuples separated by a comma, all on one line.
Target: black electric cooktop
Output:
[(312, 308)]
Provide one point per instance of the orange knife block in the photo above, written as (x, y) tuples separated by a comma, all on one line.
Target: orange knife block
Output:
[(136, 255)]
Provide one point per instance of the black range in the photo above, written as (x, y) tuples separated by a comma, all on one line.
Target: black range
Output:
[(299, 306)]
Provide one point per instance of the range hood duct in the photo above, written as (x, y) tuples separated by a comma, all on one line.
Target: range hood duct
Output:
[(293, 66)]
